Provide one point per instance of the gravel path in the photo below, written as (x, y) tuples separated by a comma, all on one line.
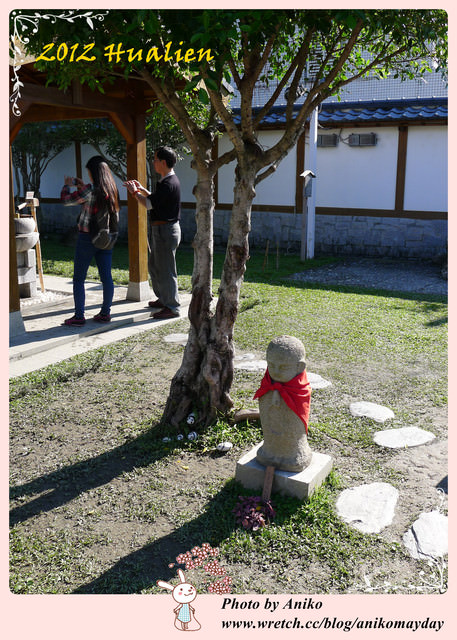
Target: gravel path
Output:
[(412, 276)]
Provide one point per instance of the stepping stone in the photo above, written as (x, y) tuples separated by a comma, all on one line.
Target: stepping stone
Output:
[(369, 507), (177, 338), (317, 382), (376, 412), (249, 362), (404, 437), (428, 536)]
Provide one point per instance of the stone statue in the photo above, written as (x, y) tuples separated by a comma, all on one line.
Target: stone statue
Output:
[(284, 399)]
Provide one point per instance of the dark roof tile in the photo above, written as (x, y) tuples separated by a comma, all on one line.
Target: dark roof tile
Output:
[(372, 111)]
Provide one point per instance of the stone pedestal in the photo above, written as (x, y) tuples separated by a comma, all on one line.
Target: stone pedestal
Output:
[(26, 273), (138, 291), (17, 326), (251, 474)]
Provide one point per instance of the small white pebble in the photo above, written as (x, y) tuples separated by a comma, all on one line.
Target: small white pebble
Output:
[(224, 446)]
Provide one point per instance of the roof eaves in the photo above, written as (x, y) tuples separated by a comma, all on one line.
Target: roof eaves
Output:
[(361, 111)]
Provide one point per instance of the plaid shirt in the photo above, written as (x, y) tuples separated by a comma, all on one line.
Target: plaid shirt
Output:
[(83, 196)]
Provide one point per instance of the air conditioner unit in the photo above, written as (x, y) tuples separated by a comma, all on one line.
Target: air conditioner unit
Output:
[(327, 140), (362, 140)]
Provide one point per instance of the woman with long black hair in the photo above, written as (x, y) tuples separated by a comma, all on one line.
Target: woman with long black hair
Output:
[(97, 232)]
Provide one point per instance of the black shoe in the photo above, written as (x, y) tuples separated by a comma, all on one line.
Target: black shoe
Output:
[(165, 314)]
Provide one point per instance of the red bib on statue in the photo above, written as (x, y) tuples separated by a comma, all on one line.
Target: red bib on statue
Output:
[(296, 393)]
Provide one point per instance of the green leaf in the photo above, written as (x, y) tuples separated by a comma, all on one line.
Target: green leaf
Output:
[(211, 84), (203, 96), (197, 36), (192, 84)]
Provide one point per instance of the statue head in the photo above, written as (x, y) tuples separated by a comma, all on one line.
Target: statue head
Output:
[(285, 358)]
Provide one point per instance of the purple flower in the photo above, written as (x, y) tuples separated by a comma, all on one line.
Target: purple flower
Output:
[(252, 512)]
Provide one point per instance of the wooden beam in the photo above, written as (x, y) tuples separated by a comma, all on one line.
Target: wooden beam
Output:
[(382, 213), (16, 122), (15, 304), (49, 113), (138, 288), (77, 93), (268, 483), (401, 168), (125, 124), (90, 100)]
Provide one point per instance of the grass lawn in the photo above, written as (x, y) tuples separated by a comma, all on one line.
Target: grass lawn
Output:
[(100, 504)]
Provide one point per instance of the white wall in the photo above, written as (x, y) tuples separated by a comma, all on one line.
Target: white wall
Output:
[(226, 175), (52, 179), (426, 185), (353, 177), (65, 165), (187, 177), (357, 177), (277, 189)]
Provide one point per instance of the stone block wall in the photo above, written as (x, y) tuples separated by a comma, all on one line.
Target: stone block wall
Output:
[(337, 235), (26, 273), (380, 237)]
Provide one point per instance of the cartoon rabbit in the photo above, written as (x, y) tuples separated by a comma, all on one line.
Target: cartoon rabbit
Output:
[(183, 594)]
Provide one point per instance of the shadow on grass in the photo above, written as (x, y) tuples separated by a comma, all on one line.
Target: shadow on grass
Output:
[(431, 301), (156, 561), (142, 568), (65, 484), (438, 322)]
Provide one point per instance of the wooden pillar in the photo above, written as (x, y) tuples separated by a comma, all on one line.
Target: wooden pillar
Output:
[(16, 322), (401, 168), (138, 288)]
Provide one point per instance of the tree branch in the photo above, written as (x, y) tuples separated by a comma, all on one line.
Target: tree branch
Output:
[(301, 53), (167, 96), (227, 120)]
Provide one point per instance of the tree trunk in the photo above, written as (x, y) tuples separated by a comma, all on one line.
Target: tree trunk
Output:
[(218, 365), (188, 390), (203, 382)]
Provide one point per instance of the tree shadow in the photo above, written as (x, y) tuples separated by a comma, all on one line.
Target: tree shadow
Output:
[(438, 322), (429, 300), (65, 484), (428, 303), (142, 568)]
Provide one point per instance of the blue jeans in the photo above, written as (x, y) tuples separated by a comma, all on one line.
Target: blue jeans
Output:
[(84, 253)]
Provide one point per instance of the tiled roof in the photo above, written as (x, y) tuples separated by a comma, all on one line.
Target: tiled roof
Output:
[(384, 111), (336, 113)]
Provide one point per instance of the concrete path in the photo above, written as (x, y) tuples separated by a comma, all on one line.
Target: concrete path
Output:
[(47, 341)]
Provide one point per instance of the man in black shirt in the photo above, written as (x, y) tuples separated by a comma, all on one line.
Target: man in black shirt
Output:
[(164, 211)]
